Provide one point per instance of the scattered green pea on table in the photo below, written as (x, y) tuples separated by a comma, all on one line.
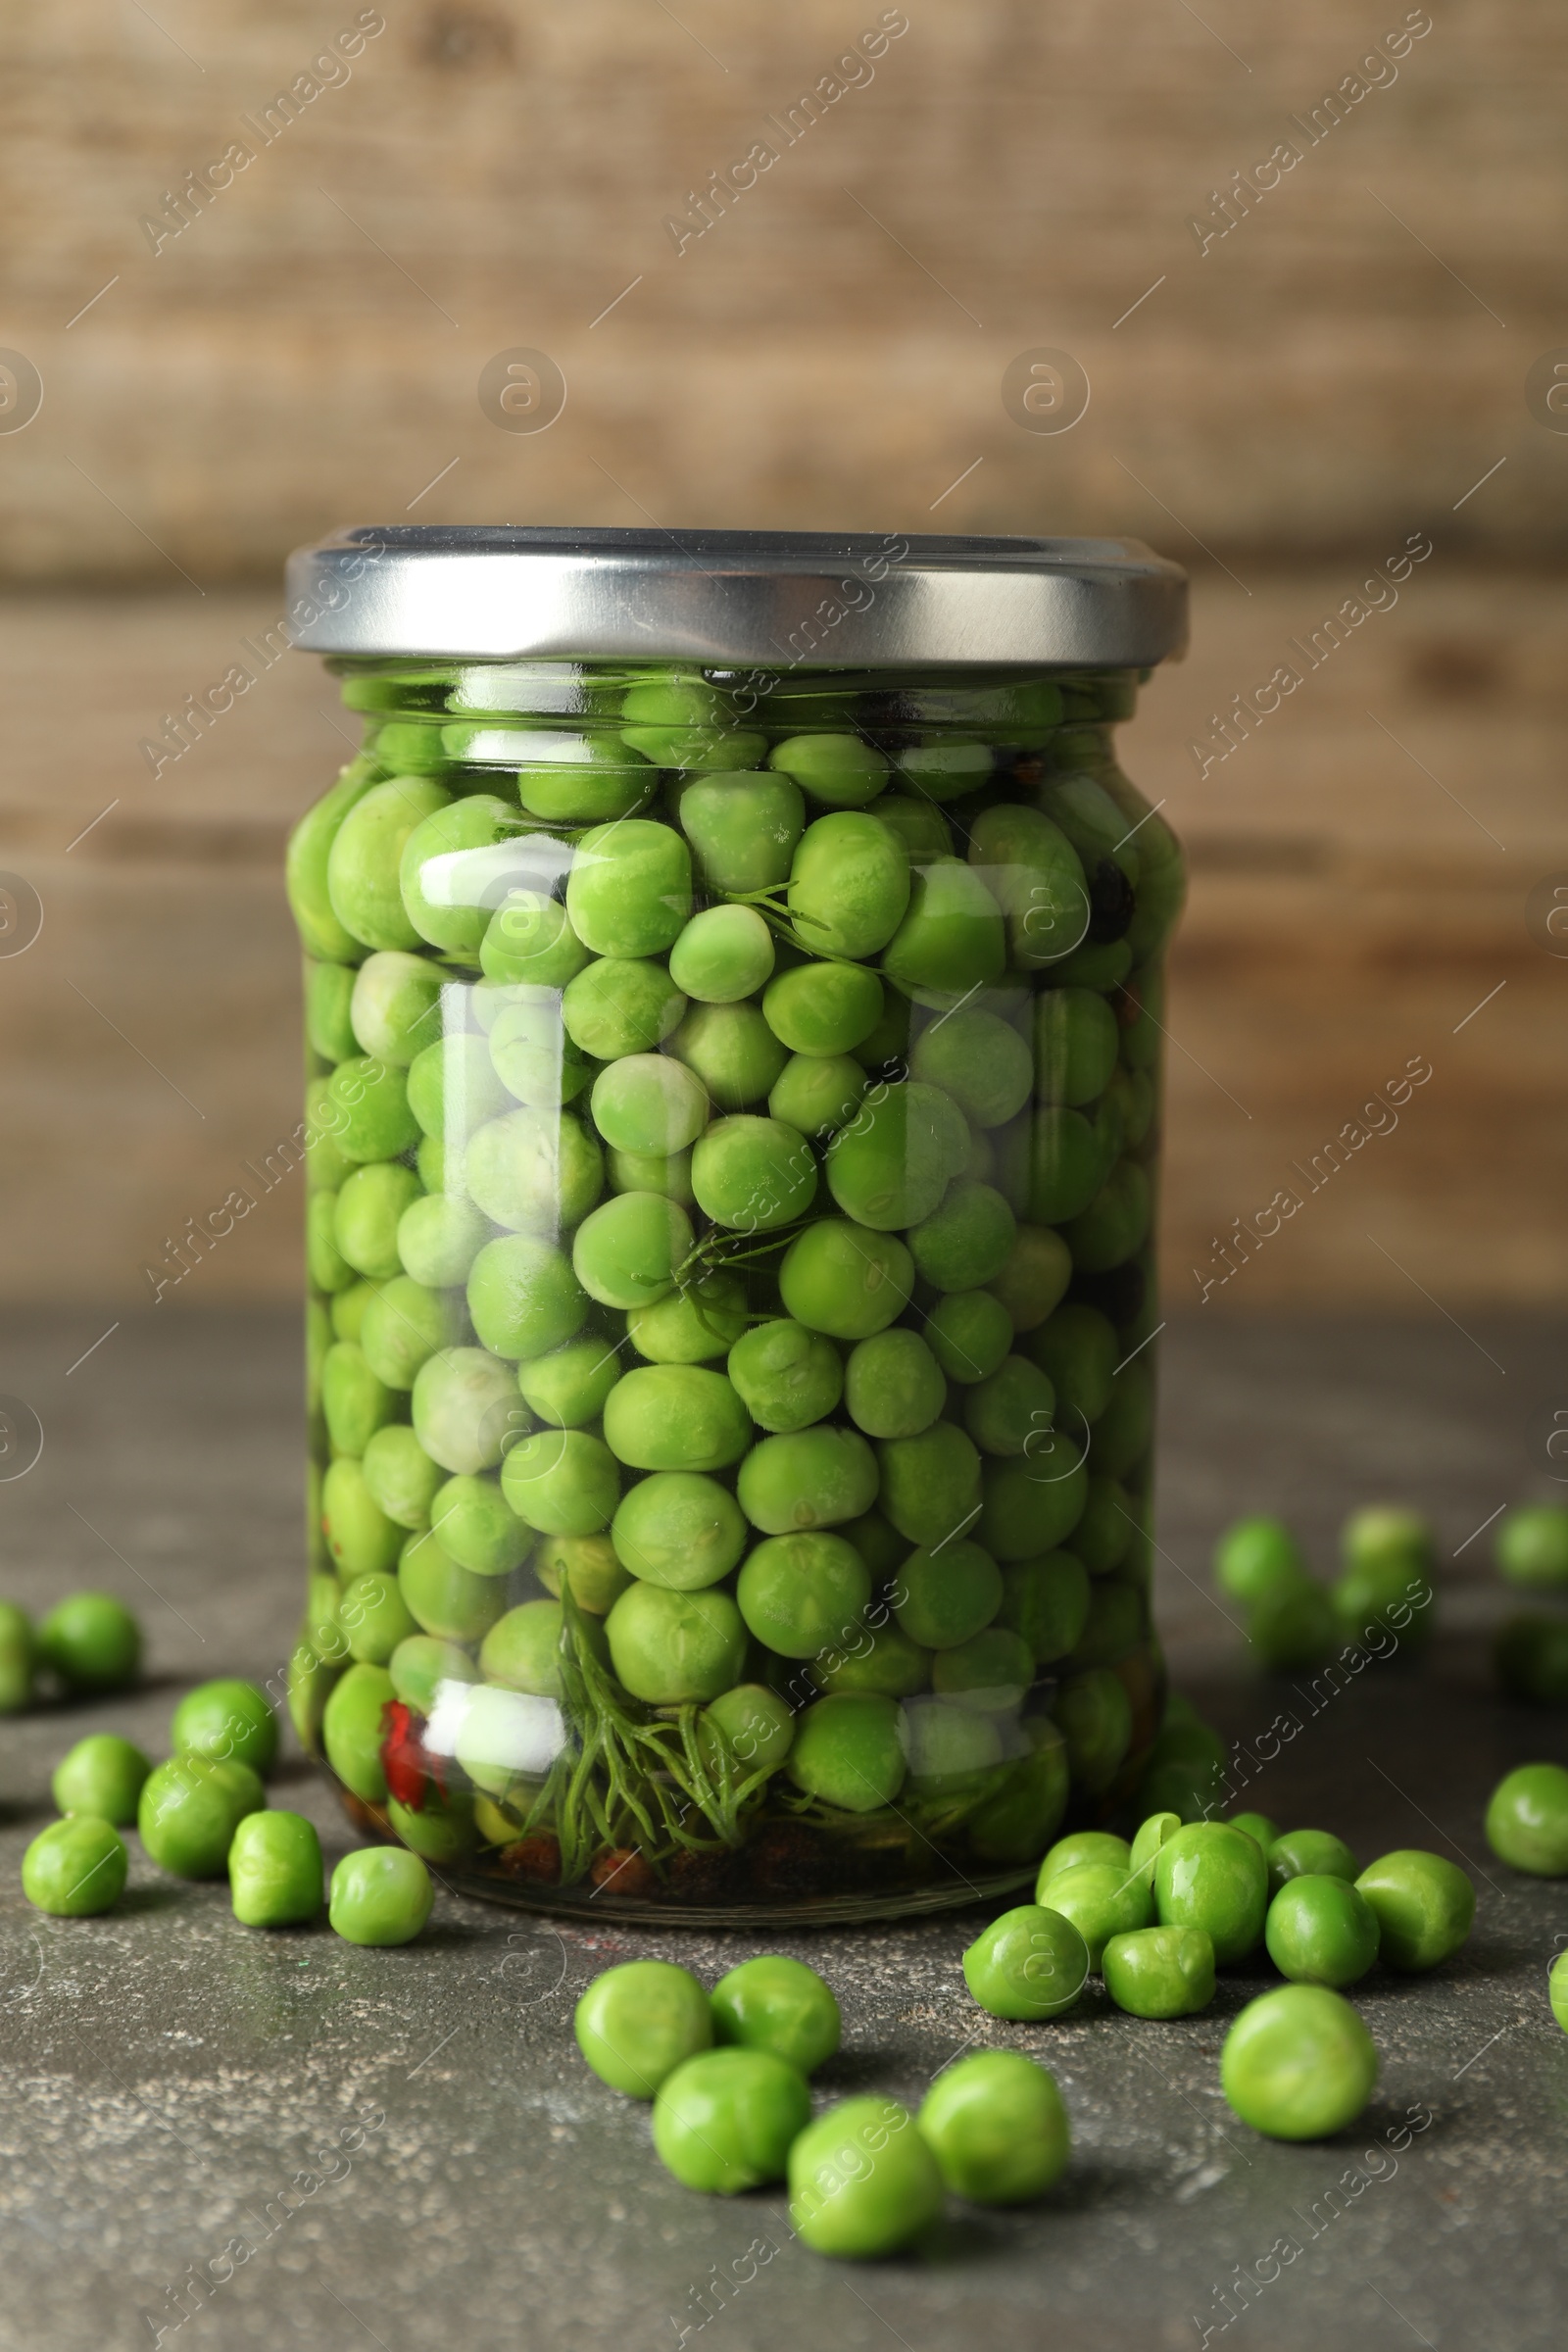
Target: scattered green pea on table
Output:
[(779, 2005), (637, 2023), (1527, 1820), (92, 1643), (1298, 2062), (997, 2125), (274, 1871), (76, 1868), (227, 1720), (863, 2182), (104, 1775), (189, 1810), (1321, 1930), (1424, 1905), (1031, 1963), (726, 2118), (380, 1895)]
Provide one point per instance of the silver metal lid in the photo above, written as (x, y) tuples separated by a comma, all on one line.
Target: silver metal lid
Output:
[(771, 599)]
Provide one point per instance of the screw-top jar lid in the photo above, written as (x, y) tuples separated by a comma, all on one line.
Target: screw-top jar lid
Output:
[(770, 600)]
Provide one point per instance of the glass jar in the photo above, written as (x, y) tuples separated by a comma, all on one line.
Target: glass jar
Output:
[(733, 1040)]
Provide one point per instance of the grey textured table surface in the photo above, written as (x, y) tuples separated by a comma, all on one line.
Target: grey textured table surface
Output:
[(168, 2075)]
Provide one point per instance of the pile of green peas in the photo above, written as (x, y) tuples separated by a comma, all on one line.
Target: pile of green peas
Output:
[(730, 1137), (1156, 1916), (202, 1814), (1382, 1599), (727, 2076)]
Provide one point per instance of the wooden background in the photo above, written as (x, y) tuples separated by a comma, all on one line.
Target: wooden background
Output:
[(1279, 411)]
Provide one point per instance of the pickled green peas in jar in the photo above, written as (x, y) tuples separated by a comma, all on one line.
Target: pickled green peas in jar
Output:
[(733, 1063)]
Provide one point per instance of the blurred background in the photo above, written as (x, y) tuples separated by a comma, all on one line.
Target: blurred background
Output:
[(261, 258)]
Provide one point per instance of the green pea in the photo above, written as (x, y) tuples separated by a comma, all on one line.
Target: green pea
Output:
[(1106, 1531), (849, 886), (969, 1333), (892, 1385), (743, 830), (1076, 1040), (189, 1809), (375, 1618), (1012, 1826), (441, 1829), (1115, 1224), (1321, 1932), (965, 1242), (326, 1266), (329, 991), (637, 2023), (355, 1402), (1185, 1771), (1034, 1278), (439, 1239), (454, 1089), (1116, 1625), (848, 1752), (786, 1376), (524, 1297), (1034, 1499), (629, 890), (817, 1094), (780, 2006), (1313, 1852), (997, 2125), (725, 2120), (889, 1042), (1046, 1600), (628, 1252), (1100, 964), (824, 1008), (810, 1478), (732, 1050), (589, 1564), (1527, 1820), (951, 940), (675, 1418), (650, 1102), (950, 1747), (990, 1671), (980, 1061), (274, 1871), (309, 847), (364, 861), (621, 1004), (364, 1221), (351, 1731), (421, 1664), (1530, 1546), (1015, 1404), (368, 1102), (1157, 1830), (1053, 1163), (723, 955), (1159, 1971), (1213, 1877), (1298, 2062), (1077, 1349), (91, 1643), (465, 1407), (449, 869), (529, 943), (380, 1895), (1029, 1964), (1387, 1538), (838, 769), (476, 1527), (930, 1484), (406, 1324), (325, 1163), (430, 1160), (1124, 1430), (1094, 1714), (1038, 879), (535, 1170), (680, 1530), (561, 1482), (1102, 1900), (360, 1536), (873, 1657), (598, 778), (567, 1388), (522, 1652), (651, 1172), (918, 825), (225, 1720), (1382, 1595), (842, 1280), (863, 2180), (753, 1174), (444, 1600), (670, 1648), (74, 1868), (753, 1723), (945, 1596), (1557, 1990), (102, 1775), (798, 1593), (537, 1062), (701, 1320), (1258, 1827), (1293, 1626), (395, 1008)]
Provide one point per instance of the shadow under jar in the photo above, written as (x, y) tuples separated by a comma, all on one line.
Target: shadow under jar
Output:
[(733, 1011)]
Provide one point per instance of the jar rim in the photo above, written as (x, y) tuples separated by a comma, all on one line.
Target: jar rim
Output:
[(774, 600)]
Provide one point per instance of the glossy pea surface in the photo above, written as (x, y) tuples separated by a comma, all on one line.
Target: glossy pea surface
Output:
[(862, 2180), (380, 1895), (102, 1773), (1527, 1820), (1102, 1900), (726, 2118), (1298, 2062), (998, 2128), (1321, 1932), (227, 1720), (1030, 1963), (635, 2024), (1319, 1851), (74, 1868), (274, 1871), (1212, 1876), (777, 2004), (1424, 1906), (1159, 1971)]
